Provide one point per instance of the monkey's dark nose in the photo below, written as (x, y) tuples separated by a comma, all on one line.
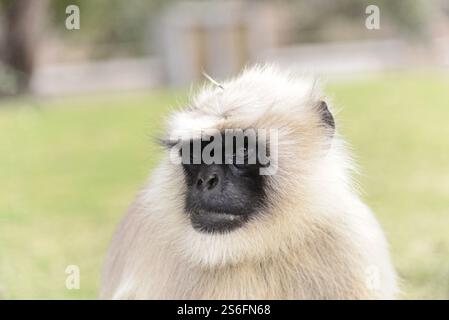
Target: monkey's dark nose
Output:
[(208, 180), (208, 183)]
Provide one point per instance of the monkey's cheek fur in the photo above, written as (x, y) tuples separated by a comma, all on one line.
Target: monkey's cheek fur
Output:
[(216, 222)]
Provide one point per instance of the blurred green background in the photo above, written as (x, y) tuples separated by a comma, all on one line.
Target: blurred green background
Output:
[(71, 166)]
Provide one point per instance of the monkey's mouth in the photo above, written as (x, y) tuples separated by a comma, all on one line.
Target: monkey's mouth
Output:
[(216, 222)]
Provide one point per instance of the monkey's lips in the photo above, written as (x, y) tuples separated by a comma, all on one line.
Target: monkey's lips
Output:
[(219, 222)]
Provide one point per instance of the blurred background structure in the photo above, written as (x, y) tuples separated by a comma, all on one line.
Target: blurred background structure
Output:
[(76, 107), (158, 43)]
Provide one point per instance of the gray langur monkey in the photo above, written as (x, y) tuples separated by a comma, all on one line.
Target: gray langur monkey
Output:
[(225, 231)]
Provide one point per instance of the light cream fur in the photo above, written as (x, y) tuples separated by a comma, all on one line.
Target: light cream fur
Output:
[(316, 239)]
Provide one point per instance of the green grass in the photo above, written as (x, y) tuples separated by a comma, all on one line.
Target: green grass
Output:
[(69, 167)]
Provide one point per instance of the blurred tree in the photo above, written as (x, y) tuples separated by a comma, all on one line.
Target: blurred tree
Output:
[(123, 24), (19, 43), (108, 27), (328, 20)]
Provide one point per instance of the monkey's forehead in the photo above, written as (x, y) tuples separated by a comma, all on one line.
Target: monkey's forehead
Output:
[(197, 124), (256, 98), (188, 124)]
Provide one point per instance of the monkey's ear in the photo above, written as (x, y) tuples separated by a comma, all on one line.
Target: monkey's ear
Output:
[(326, 116)]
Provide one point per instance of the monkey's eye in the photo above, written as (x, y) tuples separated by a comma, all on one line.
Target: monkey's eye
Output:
[(186, 152), (241, 157)]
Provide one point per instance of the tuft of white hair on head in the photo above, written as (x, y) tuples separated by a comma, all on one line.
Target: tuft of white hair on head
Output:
[(212, 80)]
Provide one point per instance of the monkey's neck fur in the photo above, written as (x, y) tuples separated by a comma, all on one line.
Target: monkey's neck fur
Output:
[(336, 254)]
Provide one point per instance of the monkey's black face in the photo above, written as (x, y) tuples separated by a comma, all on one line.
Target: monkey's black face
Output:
[(223, 197)]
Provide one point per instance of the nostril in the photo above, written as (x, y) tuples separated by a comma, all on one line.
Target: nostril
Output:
[(212, 181), (199, 183)]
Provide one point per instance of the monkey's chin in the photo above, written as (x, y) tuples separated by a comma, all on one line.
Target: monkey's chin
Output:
[(216, 222)]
